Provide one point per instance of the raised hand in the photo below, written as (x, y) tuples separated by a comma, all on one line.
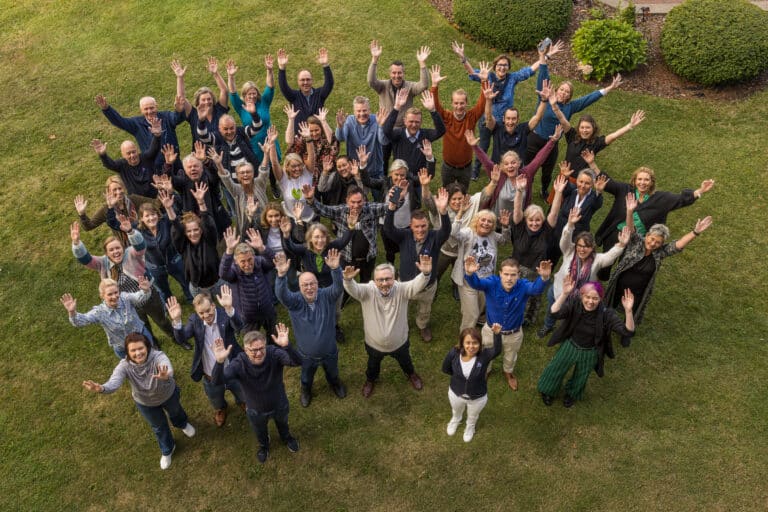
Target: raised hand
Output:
[(434, 74), (495, 173), (560, 182), (74, 233), (231, 67), (401, 98), (162, 372), (631, 201), (428, 100), (616, 82), (574, 216), (702, 224), (231, 239), (308, 191), (381, 115), (333, 258), (282, 264), (156, 127), (225, 297), (269, 62), (521, 182), (92, 386), (424, 264), (145, 284), (628, 300), (352, 218), (472, 140), (555, 48), (426, 149), (706, 186), (179, 103), (362, 155), (166, 199), (327, 163), (354, 168), (422, 54), (215, 157), (271, 134), (350, 272), (220, 352), (424, 178), (341, 118), (470, 265), (174, 309), (558, 133), (281, 340), (624, 236), (285, 226), (177, 68), (322, 57), (201, 188), (458, 49), (69, 303), (441, 201), (504, 217), (600, 183), (80, 204), (488, 91), (199, 148), (163, 183), (637, 118), (112, 198), (485, 69), (125, 223), (290, 112), (212, 65), (546, 92), (169, 152), (249, 106), (375, 50), (304, 130), (322, 114), (565, 168), (101, 101), (589, 156), (282, 58), (544, 269), (568, 285), (298, 209), (99, 147)]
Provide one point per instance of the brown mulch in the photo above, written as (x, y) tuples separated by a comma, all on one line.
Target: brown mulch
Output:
[(652, 78)]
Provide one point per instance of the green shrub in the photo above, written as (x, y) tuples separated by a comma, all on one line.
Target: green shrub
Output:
[(627, 14), (714, 42), (609, 46), (512, 24), (596, 13)]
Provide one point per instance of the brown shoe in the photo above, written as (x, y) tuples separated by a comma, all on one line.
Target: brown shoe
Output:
[(511, 380), (219, 417), (426, 334), (416, 381), (367, 388)]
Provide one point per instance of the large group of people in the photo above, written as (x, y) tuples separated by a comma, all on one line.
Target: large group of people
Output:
[(247, 225)]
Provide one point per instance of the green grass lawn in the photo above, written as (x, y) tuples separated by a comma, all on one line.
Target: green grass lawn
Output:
[(678, 422)]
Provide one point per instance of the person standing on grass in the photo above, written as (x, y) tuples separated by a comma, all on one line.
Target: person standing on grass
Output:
[(206, 325), (306, 100), (313, 317), (467, 363), (506, 295), (204, 112), (385, 317), (259, 370), (141, 126), (360, 131), (154, 390), (585, 336)]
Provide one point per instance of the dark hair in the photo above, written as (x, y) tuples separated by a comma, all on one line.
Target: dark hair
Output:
[(454, 187), (418, 215), (136, 337), (398, 63), (586, 237), (469, 331), (513, 109), (586, 118), (510, 262), (252, 336), (354, 189)]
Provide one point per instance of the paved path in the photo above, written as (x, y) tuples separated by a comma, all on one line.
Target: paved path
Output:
[(664, 6)]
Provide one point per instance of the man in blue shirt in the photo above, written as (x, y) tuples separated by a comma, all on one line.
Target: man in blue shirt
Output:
[(505, 298)]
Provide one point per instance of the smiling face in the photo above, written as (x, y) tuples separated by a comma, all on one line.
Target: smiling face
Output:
[(583, 249), (419, 228), (510, 164), (396, 75), (454, 202), (194, 231), (397, 175), (315, 131), (362, 112), (111, 296), (501, 68), (149, 218), (583, 184), (308, 286), (511, 118), (470, 345), (586, 129), (509, 276), (343, 167), (459, 104), (564, 93), (273, 218), (130, 152), (148, 107), (256, 351), (227, 128), (137, 352), (305, 81), (412, 123), (643, 182), (590, 299), (485, 224), (294, 168), (534, 221), (246, 262), (251, 95), (318, 240), (114, 250), (205, 101), (193, 168), (116, 190), (245, 174), (653, 242), (355, 203), (384, 279), (206, 311)]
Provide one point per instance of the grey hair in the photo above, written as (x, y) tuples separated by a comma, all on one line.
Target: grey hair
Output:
[(385, 266), (588, 172), (243, 248), (660, 230), (398, 164), (361, 100)]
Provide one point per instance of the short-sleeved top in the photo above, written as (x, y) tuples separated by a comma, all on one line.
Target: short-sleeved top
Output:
[(530, 248), (291, 189), (576, 145)]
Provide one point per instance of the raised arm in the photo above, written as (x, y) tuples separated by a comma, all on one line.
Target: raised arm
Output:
[(213, 68), (269, 65), (637, 118), (560, 182), (458, 49), (699, 228), (179, 71)]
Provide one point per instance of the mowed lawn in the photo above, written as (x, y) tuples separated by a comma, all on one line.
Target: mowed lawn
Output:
[(678, 422)]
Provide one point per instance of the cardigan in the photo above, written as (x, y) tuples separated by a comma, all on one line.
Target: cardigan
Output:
[(476, 385)]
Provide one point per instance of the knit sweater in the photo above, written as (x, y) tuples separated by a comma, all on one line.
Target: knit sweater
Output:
[(145, 389), (251, 293), (456, 151)]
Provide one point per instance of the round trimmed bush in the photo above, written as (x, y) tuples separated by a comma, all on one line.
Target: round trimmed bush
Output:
[(609, 46), (512, 24), (714, 42)]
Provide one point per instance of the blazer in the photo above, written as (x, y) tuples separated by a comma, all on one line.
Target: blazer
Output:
[(228, 326)]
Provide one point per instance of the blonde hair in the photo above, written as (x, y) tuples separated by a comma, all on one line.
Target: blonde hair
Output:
[(476, 218)]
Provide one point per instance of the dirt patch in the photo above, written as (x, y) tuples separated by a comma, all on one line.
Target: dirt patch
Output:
[(653, 78)]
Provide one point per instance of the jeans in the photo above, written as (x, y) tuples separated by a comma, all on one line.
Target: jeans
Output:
[(549, 322), (259, 422), (155, 416), (309, 365), (155, 309), (215, 393), (402, 355), (160, 273)]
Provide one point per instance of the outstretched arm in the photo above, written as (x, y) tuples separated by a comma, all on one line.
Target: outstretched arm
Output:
[(700, 227), (637, 118)]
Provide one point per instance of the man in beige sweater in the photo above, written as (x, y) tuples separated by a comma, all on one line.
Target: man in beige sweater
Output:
[(384, 304)]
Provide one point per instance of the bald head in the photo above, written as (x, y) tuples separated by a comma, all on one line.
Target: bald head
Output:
[(227, 127), (130, 152)]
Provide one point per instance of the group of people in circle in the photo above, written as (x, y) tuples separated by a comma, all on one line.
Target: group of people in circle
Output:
[(246, 224)]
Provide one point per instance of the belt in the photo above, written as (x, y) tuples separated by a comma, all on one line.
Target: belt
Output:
[(504, 333)]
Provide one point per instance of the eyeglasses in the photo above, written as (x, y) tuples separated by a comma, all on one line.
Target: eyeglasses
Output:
[(256, 350), (384, 279)]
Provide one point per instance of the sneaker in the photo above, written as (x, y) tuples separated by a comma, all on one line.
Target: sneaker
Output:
[(568, 401), (293, 444), (276, 193), (189, 430), (543, 331), (453, 425), (262, 454), (165, 460), (469, 433)]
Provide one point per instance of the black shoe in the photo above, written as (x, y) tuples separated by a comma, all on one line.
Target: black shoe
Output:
[(455, 290), (568, 401), (475, 174), (543, 331), (544, 195), (293, 444), (276, 193), (340, 338), (185, 345), (527, 323), (625, 341), (546, 399), (262, 454), (306, 396), (339, 389)]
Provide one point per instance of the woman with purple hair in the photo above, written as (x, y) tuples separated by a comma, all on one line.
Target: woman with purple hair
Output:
[(585, 338)]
